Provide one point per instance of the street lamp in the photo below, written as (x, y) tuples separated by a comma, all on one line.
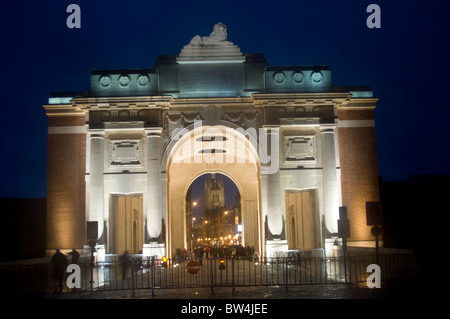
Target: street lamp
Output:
[(192, 233), (192, 225)]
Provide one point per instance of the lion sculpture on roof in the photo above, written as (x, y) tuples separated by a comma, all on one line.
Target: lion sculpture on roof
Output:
[(217, 37)]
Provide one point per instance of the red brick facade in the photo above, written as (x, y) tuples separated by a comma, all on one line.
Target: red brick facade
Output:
[(359, 169), (66, 193)]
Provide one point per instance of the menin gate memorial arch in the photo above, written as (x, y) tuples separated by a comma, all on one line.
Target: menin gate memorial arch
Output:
[(124, 153)]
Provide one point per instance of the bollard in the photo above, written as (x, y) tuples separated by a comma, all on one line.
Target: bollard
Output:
[(286, 274), (152, 274), (232, 276), (132, 279), (212, 276), (49, 273)]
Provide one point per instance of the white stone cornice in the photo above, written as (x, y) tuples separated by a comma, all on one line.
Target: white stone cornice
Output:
[(155, 102), (356, 123), (56, 110), (212, 101), (360, 104), (293, 99), (66, 130)]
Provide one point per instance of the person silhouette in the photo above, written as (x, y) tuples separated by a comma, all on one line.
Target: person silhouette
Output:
[(59, 261), (124, 263), (75, 256)]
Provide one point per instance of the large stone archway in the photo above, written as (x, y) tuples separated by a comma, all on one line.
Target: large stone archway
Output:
[(213, 149), (134, 132)]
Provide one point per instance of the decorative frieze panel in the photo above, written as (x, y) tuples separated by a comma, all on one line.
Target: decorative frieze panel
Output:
[(300, 148), (178, 120), (150, 117), (125, 153), (275, 114), (243, 119)]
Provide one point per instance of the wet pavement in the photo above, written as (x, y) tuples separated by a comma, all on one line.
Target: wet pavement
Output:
[(411, 288), (405, 289), (404, 298)]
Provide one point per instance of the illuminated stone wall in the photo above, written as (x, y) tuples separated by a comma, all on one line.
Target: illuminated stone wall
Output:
[(295, 132)]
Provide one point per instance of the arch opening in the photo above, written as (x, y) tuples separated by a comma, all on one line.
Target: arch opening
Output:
[(240, 164), (213, 212)]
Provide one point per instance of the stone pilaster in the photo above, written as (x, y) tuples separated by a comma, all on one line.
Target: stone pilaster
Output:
[(330, 183), (275, 216), (153, 212), (95, 193)]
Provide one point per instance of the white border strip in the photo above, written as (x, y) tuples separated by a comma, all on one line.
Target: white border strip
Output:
[(66, 129), (356, 123)]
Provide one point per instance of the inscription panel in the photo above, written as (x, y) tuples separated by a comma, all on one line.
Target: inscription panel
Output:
[(125, 153), (300, 148)]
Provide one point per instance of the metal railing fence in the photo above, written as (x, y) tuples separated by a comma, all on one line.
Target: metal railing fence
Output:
[(151, 273)]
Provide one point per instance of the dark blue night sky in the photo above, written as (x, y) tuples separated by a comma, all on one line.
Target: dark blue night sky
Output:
[(406, 62)]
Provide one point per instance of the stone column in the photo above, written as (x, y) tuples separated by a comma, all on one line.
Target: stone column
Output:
[(275, 214), (330, 183), (264, 204), (96, 181), (163, 185), (153, 214)]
